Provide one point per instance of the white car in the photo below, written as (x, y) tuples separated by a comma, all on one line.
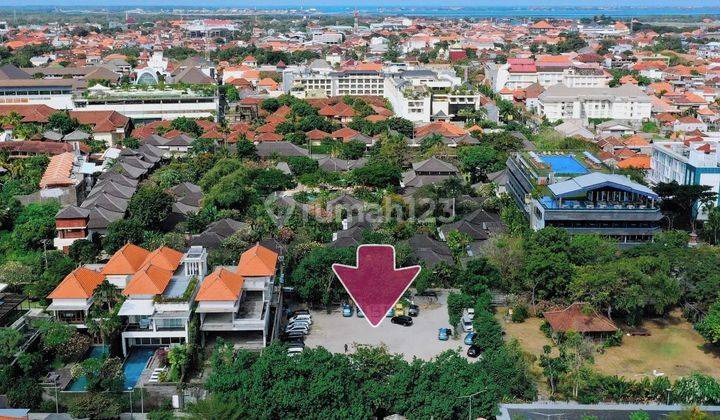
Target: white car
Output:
[(300, 323), (467, 324), (300, 328), (470, 313), (302, 317), (294, 351)]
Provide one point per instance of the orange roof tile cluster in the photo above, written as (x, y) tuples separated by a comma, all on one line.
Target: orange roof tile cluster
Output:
[(126, 260), (29, 113), (440, 127), (101, 121), (156, 272), (59, 171), (221, 285), (257, 261), (79, 284)]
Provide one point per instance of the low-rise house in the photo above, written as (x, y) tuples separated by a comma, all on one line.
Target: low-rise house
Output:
[(280, 148), (160, 296), (429, 251), (238, 299), (429, 171), (579, 318), (214, 235), (73, 297)]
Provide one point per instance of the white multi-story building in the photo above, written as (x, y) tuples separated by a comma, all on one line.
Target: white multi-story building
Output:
[(694, 163), (626, 102), (416, 95), (521, 74), (56, 94), (160, 297), (151, 104)]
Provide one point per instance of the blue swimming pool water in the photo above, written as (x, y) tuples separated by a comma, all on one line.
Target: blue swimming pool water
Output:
[(132, 368), (564, 164), (80, 383), (135, 364)]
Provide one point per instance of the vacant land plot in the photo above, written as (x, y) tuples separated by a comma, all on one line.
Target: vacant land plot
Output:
[(333, 332), (673, 348)]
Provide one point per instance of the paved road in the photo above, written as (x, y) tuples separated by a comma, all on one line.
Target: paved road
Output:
[(333, 331)]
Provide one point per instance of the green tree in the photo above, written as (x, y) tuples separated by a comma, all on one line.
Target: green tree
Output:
[(62, 122), (314, 278), (553, 366), (458, 243), (187, 125), (681, 202), (246, 149), (84, 251), (377, 174), (150, 206), (95, 405), (478, 161), (121, 232), (709, 326), (10, 340)]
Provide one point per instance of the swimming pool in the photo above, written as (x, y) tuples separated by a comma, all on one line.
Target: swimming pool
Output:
[(80, 383), (564, 164), (135, 364), (132, 368)]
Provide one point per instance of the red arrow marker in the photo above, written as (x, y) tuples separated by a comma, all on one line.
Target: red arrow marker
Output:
[(375, 284)]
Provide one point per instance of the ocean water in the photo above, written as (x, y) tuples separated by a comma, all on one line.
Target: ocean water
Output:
[(527, 11)]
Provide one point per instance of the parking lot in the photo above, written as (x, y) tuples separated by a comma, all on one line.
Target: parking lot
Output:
[(333, 331)]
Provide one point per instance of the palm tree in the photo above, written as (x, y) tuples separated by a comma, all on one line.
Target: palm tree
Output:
[(103, 325), (106, 295)]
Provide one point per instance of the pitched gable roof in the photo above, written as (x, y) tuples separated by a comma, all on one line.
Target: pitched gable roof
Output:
[(126, 261), (257, 261), (79, 284), (221, 285), (578, 318)]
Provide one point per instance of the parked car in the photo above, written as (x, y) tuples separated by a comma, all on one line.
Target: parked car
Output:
[(302, 317), (298, 324), (467, 324), (444, 334), (292, 335), (347, 310), (294, 351), (297, 312), (469, 338), (391, 313), (474, 351), (403, 320), (470, 313), (359, 313), (413, 310), (296, 343), (299, 328)]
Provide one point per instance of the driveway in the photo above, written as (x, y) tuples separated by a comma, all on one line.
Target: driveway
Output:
[(333, 331)]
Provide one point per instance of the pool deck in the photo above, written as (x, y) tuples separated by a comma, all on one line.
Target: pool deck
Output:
[(564, 164)]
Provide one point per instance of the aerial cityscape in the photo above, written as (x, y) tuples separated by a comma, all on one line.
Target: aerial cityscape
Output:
[(327, 210)]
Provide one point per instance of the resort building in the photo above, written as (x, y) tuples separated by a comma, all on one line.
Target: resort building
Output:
[(626, 102), (560, 190)]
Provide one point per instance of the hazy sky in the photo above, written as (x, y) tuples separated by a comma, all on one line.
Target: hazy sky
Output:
[(348, 3)]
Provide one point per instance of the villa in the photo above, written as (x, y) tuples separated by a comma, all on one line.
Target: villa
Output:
[(237, 300)]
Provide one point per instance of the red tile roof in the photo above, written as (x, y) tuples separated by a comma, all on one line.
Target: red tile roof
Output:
[(580, 318)]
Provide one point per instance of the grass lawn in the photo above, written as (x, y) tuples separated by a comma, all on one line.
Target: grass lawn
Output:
[(672, 348)]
